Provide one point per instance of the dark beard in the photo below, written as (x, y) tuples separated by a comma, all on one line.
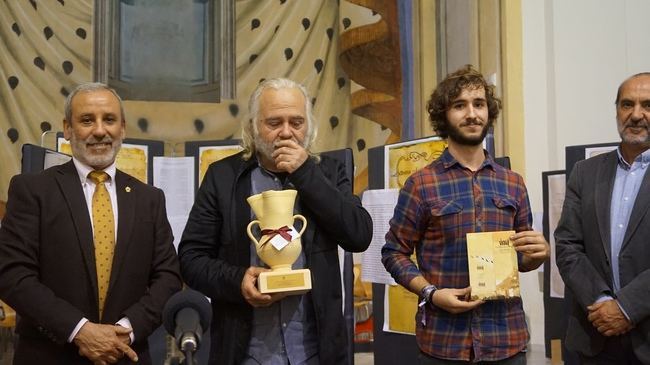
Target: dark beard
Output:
[(457, 136)]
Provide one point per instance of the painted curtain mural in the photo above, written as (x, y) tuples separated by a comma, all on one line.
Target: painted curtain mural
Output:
[(46, 49)]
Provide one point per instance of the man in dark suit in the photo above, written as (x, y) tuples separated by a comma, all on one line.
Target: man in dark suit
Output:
[(87, 290), (603, 240), (216, 256)]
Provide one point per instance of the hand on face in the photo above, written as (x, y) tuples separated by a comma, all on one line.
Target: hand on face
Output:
[(282, 128), (289, 155)]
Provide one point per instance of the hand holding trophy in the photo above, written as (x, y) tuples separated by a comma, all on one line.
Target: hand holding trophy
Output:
[(280, 245)]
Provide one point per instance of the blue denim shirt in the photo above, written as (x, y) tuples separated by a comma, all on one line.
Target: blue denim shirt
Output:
[(284, 332)]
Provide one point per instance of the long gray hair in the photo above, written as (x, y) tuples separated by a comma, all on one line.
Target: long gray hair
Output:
[(249, 124)]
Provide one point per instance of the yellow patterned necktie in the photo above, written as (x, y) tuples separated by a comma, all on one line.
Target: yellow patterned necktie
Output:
[(104, 234)]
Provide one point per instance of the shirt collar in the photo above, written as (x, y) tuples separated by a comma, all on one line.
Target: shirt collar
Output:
[(83, 170), (448, 161), (643, 158), (281, 176)]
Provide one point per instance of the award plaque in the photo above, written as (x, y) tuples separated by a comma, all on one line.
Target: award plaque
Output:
[(493, 268), (279, 245)]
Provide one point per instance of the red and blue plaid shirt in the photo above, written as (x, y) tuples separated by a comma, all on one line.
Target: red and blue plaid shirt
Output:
[(437, 207)]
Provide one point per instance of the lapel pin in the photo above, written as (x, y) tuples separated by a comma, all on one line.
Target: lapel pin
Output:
[(127, 189)]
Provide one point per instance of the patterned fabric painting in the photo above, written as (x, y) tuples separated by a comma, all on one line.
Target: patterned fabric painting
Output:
[(46, 48)]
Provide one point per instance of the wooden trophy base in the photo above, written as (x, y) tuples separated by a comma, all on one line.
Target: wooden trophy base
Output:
[(291, 282)]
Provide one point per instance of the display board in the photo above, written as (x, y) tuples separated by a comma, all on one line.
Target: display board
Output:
[(36, 158), (555, 319), (207, 152)]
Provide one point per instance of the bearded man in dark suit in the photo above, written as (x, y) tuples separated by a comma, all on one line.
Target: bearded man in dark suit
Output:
[(86, 252)]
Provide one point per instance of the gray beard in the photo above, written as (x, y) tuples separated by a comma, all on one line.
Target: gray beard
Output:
[(263, 148), (79, 151)]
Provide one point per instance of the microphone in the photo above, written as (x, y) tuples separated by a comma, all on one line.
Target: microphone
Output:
[(187, 316)]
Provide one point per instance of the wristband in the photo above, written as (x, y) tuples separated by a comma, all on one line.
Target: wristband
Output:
[(426, 293)]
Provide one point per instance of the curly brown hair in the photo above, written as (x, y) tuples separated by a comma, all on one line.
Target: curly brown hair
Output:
[(450, 88)]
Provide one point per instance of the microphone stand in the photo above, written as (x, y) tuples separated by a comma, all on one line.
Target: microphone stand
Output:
[(189, 360), (189, 345)]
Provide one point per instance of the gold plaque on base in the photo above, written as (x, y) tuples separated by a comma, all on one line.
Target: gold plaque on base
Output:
[(291, 282), (493, 268)]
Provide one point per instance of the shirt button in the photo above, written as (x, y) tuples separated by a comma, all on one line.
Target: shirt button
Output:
[(284, 325), (620, 226), (633, 173), (626, 198)]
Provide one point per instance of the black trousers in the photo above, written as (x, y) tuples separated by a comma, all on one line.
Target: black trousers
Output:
[(617, 351)]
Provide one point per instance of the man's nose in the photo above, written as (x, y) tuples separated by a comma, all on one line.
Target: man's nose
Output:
[(285, 131), (99, 129), (471, 112), (637, 112)]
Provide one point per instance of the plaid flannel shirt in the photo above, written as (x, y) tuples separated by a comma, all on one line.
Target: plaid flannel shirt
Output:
[(437, 207)]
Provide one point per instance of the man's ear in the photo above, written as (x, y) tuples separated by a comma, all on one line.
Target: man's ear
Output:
[(67, 130), (123, 128)]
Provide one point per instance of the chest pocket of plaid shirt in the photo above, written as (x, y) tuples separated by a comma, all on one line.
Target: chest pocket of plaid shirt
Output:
[(445, 215), (505, 212)]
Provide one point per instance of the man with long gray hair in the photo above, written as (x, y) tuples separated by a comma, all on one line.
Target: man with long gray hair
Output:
[(217, 257)]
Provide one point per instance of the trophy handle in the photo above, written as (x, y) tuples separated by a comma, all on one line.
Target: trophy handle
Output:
[(304, 223), (250, 234)]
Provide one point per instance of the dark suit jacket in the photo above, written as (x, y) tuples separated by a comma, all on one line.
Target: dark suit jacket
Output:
[(215, 250), (47, 263), (583, 254)]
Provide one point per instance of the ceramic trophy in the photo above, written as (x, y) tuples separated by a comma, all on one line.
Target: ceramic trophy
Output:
[(279, 245)]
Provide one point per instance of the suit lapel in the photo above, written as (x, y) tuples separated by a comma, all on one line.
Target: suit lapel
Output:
[(126, 199), (641, 206), (603, 196), (70, 185)]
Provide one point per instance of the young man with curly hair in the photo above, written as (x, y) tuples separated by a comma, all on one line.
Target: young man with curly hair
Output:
[(463, 191)]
